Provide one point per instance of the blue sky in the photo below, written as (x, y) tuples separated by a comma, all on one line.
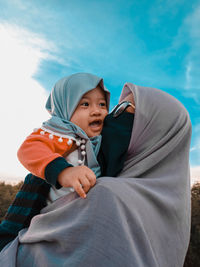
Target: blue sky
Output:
[(150, 43)]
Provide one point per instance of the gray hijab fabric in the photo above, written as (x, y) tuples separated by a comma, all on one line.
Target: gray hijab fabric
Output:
[(139, 219), (62, 103)]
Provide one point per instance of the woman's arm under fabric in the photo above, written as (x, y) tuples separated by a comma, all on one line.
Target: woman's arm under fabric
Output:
[(116, 136)]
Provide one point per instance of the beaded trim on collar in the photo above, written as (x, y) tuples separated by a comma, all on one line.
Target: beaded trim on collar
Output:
[(79, 142)]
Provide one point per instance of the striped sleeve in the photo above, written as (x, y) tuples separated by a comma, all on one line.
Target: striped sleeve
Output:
[(28, 202)]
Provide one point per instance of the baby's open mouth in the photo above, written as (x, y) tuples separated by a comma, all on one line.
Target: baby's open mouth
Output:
[(95, 123)]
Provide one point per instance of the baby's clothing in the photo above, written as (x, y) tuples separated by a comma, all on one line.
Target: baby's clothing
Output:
[(50, 147), (40, 148)]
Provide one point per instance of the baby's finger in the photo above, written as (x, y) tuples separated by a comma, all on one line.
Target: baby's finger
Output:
[(92, 178), (79, 190), (85, 183)]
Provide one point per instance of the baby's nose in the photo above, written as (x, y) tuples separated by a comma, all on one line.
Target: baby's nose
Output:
[(96, 111)]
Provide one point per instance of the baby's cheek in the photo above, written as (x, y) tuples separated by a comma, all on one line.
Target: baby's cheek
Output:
[(105, 114)]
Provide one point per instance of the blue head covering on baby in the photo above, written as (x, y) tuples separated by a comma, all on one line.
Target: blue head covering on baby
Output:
[(61, 104)]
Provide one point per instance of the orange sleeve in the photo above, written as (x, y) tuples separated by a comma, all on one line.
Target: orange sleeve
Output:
[(38, 150)]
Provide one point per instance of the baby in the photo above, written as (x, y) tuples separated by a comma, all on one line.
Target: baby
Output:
[(70, 139), (62, 153)]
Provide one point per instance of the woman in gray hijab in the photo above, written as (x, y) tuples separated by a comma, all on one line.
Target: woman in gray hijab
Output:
[(141, 218)]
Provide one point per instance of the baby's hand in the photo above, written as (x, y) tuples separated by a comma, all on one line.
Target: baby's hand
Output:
[(81, 178)]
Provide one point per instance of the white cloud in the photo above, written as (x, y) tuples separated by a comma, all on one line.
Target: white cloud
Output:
[(196, 147), (196, 141), (191, 31), (195, 174), (22, 99), (188, 39)]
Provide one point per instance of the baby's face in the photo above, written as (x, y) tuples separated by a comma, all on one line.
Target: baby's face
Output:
[(90, 112)]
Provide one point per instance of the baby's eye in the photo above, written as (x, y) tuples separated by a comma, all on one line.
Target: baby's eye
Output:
[(102, 104), (85, 104)]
